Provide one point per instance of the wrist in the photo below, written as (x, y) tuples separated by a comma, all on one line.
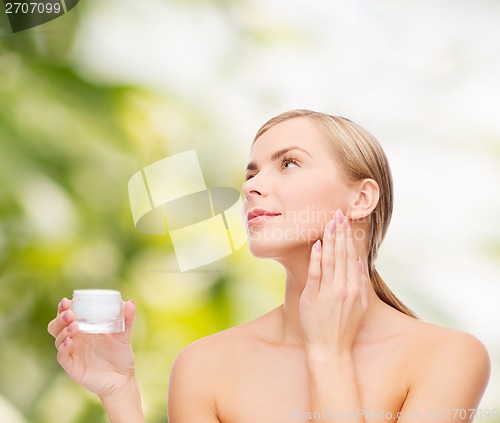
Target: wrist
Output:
[(128, 391), (128, 388), (323, 365), (124, 403), (320, 358)]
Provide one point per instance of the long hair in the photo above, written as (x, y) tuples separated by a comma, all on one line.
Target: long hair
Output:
[(359, 156)]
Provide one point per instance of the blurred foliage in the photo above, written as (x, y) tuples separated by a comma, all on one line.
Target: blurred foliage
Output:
[(67, 149)]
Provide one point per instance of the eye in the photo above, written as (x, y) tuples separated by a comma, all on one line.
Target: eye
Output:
[(248, 176), (288, 162)]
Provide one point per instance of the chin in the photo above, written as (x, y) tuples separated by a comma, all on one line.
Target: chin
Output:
[(275, 243), (261, 249)]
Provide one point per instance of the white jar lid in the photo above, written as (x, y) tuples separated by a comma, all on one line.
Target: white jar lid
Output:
[(96, 292)]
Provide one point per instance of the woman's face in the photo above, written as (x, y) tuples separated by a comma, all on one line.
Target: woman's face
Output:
[(293, 188)]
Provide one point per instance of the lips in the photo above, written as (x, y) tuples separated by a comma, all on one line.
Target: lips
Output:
[(252, 214)]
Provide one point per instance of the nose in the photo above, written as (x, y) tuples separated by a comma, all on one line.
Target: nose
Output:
[(254, 187)]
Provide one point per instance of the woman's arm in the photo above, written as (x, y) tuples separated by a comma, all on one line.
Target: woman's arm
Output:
[(332, 306), (124, 405), (333, 386), (101, 363)]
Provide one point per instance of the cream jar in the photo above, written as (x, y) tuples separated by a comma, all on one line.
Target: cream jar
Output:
[(98, 310)]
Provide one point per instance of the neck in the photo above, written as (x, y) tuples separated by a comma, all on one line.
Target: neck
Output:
[(296, 277)]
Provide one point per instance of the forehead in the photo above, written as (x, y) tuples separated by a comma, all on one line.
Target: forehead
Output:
[(302, 132)]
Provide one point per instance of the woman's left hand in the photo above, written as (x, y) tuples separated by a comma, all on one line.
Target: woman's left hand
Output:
[(335, 297)]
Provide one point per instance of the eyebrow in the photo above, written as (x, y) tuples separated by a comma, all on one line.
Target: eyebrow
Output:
[(276, 155)]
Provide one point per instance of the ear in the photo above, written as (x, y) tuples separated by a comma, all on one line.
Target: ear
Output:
[(364, 199)]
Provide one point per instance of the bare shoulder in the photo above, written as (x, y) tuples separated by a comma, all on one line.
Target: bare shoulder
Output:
[(213, 345), (440, 343), (197, 373), (215, 353), (445, 359)]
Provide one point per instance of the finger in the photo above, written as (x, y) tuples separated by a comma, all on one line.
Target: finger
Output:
[(129, 316), (62, 320), (314, 272), (64, 304), (340, 265), (64, 354), (327, 256), (353, 274), (69, 331), (364, 284), (53, 327)]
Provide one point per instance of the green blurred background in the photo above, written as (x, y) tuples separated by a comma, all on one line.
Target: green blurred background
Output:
[(89, 99)]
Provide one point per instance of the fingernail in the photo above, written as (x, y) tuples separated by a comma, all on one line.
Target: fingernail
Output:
[(65, 316), (317, 245), (71, 327), (339, 217)]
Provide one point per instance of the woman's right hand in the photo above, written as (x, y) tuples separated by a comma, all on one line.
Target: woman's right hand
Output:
[(101, 363)]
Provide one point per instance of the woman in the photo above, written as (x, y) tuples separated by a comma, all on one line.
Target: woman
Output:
[(342, 347)]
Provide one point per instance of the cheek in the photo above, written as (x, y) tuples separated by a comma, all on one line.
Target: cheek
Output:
[(313, 206), (305, 220)]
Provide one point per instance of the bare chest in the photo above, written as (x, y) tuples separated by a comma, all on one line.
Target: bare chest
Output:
[(272, 386)]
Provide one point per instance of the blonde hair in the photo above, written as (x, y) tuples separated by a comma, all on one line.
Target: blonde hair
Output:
[(359, 156)]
